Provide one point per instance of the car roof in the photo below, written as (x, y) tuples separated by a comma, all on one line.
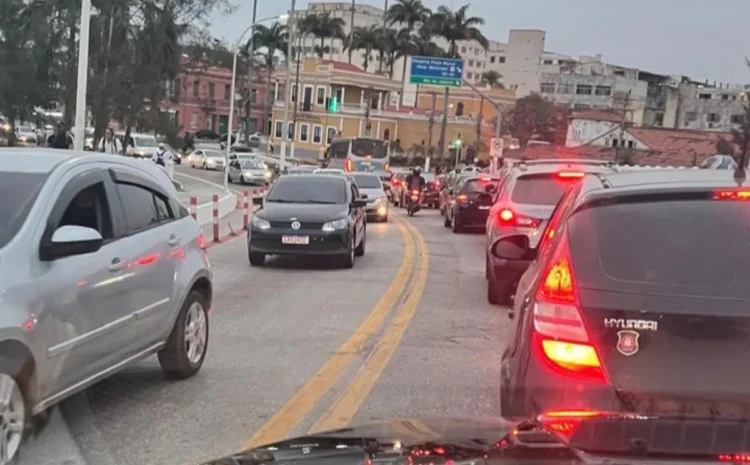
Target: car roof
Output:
[(628, 181), (37, 160), (308, 176), (561, 165)]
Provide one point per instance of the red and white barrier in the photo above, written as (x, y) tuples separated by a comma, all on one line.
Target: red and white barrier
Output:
[(215, 205), (245, 210), (194, 207)]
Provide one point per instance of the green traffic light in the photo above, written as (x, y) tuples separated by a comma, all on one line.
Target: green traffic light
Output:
[(333, 105)]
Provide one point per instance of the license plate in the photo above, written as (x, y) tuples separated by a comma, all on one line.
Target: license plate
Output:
[(295, 240), (414, 197), (484, 207)]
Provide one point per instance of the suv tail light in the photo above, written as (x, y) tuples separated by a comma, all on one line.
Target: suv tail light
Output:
[(509, 218), (570, 174), (349, 165), (462, 199), (559, 330)]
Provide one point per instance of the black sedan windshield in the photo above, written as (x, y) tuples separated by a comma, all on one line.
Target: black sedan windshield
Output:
[(308, 189)]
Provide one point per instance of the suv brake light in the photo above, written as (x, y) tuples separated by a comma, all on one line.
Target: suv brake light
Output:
[(570, 174), (509, 218), (559, 330), (349, 165), (462, 199), (732, 195)]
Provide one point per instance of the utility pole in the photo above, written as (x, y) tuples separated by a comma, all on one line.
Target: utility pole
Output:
[(296, 85), (430, 125), (287, 80), (444, 125), (623, 121), (250, 64), (479, 122)]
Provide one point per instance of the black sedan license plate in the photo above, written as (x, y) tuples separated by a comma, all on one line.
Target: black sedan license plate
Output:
[(295, 240)]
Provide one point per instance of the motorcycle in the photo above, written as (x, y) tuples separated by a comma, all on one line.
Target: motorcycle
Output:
[(415, 201)]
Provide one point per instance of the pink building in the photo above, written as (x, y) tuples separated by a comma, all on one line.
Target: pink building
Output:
[(202, 100)]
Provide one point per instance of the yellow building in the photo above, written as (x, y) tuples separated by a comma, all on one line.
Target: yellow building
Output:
[(368, 106)]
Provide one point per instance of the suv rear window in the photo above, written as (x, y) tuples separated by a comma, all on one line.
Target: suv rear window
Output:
[(18, 191), (693, 247), (479, 186), (540, 189)]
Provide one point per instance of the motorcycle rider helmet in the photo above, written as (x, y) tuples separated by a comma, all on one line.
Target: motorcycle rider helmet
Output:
[(417, 171)]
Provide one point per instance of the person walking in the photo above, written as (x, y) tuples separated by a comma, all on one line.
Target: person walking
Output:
[(110, 144), (163, 157), (61, 139)]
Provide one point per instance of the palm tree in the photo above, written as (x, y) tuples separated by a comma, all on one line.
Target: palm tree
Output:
[(455, 26), (492, 78), (409, 13), (273, 39), (365, 38), (324, 26)]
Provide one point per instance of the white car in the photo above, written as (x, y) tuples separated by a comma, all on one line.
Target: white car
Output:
[(206, 159)]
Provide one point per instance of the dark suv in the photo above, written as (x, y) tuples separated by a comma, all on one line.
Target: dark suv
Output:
[(528, 194), (637, 300)]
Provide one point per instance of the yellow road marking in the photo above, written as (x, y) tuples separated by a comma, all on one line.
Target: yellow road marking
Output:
[(346, 406), (303, 401)]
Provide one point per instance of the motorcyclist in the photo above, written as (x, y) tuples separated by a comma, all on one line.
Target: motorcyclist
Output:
[(415, 181)]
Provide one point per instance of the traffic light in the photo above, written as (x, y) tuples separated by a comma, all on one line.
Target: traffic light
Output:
[(332, 104), (457, 144)]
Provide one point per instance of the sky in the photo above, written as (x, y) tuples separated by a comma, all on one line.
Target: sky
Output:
[(696, 38)]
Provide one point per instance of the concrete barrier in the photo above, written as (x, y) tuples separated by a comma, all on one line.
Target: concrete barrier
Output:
[(227, 204)]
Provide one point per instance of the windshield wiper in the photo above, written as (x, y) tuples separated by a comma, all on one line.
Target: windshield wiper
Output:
[(320, 202), (280, 201)]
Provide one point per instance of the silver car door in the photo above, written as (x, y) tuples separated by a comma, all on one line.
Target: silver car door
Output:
[(154, 246), (84, 310)]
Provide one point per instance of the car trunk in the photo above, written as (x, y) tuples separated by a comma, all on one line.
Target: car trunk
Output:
[(666, 298)]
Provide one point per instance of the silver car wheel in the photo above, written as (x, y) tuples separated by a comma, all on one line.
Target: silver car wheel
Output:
[(196, 333), (12, 415)]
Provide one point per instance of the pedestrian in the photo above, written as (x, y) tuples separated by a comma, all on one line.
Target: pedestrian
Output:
[(164, 158), (109, 143), (60, 139)]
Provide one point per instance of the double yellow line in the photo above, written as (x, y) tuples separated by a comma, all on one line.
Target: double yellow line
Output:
[(400, 299)]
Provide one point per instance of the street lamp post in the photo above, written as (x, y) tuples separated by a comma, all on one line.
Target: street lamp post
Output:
[(83, 69), (288, 81), (230, 121)]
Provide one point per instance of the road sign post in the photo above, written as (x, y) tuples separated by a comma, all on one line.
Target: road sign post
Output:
[(496, 153), (431, 71)]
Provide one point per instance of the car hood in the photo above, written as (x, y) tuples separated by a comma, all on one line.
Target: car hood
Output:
[(313, 213), (394, 442), (372, 193)]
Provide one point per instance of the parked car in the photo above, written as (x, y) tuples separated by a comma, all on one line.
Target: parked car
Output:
[(102, 267)]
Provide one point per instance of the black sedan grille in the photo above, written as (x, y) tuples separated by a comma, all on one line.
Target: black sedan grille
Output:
[(303, 225)]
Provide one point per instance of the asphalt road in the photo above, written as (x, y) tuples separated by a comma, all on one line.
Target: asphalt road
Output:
[(298, 346)]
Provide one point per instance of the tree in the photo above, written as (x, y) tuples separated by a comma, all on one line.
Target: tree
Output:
[(408, 13), (266, 42), (365, 38), (323, 26), (455, 26), (492, 79), (534, 118)]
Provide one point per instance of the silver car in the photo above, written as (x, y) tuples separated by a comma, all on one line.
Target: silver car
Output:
[(371, 188), (249, 171), (101, 267), (206, 159)]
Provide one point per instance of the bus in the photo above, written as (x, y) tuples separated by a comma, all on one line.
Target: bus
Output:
[(358, 154)]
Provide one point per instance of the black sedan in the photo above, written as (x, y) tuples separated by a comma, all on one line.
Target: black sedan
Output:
[(309, 214)]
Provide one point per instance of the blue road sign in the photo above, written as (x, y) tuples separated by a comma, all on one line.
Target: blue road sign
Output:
[(444, 72)]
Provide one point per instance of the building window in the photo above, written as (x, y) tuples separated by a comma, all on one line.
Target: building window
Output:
[(290, 131), (713, 118), (738, 119), (340, 96), (294, 92), (196, 88), (580, 107), (463, 49), (471, 62), (194, 121), (704, 96), (565, 88), (549, 62), (304, 132), (469, 76), (547, 88), (278, 131), (603, 90), (331, 134), (631, 144), (691, 116), (317, 134), (321, 97), (227, 91), (211, 91), (584, 89), (492, 59), (501, 59)]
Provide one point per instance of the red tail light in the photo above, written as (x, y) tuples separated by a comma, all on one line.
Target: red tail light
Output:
[(509, 218), (565, 422), (349, 165), (732, 195), (570, 174), (559, 330), (201, 241), (462, 199)]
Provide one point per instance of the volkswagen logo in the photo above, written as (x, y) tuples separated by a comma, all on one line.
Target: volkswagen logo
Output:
[(296, 225)]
